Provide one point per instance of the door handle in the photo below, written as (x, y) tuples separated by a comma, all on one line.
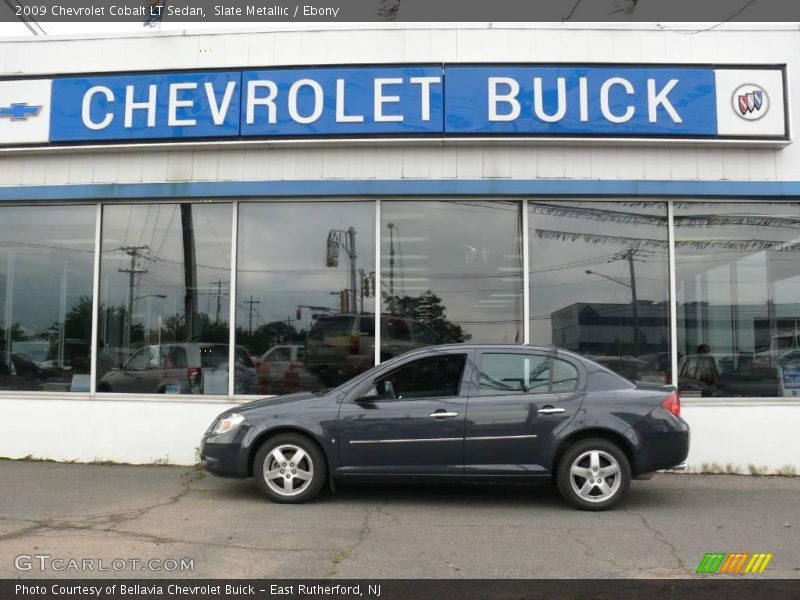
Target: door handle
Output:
[(550, 410), (441, 414)]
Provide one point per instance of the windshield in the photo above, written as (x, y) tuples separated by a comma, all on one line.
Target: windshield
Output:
[(331, 327)]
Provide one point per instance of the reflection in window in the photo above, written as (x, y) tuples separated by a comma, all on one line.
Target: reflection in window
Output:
[(431, 377), (508, 374), (450, 272), (599, 283), (46, 265), (306, 287), (738, 285), (503, 374), (164, 289)]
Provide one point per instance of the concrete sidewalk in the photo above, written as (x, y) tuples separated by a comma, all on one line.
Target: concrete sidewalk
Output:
[(126, 515)]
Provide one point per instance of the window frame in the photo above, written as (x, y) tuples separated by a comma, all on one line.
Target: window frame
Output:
[(580, 379), (361, 388)]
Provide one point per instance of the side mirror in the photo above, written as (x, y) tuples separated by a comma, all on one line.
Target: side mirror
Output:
[(370, 396), (375, 393)]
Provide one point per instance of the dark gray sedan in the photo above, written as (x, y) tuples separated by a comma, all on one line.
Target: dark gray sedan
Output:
[(458, 412)]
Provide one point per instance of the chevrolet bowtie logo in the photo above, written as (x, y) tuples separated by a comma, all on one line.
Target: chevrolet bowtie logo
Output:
[(20, 111)]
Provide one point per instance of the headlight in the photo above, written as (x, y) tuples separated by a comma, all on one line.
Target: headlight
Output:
[(229, 423)]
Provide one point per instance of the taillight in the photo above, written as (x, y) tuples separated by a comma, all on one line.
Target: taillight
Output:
[(355, 343), (673, 404), (195, 376)]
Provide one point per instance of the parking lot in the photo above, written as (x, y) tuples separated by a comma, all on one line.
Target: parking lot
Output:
[(114, 515)]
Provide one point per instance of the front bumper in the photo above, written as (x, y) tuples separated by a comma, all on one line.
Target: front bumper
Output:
[(223, 458)]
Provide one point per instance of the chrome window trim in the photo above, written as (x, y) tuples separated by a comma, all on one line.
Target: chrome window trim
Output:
[(407, 441), (483, 438)]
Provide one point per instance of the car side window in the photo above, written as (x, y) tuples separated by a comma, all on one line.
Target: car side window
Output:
[(564, 376), (138, 361), (241, 357), (424, 334), (504, 374), (366, 326), (398, 330), (280, 354), (174, 357), (430, 377)]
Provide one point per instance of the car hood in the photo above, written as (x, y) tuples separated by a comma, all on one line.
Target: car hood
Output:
[(278, 400)]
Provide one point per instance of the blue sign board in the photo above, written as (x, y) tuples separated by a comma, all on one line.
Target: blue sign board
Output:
[(353, 101), (581, 101), (145, 107), (433, 101)]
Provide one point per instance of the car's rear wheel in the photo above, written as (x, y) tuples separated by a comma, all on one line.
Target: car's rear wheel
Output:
[(289, 468), (593, 474)]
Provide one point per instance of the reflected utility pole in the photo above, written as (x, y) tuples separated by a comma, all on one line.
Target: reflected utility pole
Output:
[(251, 302), (219, 296), (627, 255), (133, 252), (391, 267), (189, 272), (347, 240)]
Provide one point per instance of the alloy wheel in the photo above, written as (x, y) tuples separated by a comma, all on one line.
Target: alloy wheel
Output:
[(595, 476), (288, 470)]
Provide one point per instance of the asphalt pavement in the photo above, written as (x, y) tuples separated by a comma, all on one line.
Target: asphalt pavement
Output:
[(151, 521)]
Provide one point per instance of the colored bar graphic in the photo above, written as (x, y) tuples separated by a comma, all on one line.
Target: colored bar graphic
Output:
[(718, 563), (758, 563)]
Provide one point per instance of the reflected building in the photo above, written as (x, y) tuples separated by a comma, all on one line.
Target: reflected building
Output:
[(607, 329)]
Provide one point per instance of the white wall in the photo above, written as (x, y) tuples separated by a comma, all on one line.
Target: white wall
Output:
[(761, 434), (136, 432), (144, 432)]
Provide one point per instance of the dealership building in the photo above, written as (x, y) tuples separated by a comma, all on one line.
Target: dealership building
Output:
[(295, 205)]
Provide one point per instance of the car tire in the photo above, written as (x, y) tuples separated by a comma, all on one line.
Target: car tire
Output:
[(584, 477), (278, 475)]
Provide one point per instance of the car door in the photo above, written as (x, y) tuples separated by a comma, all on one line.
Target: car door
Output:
[(519, 400), (129, 377), (407, 420)]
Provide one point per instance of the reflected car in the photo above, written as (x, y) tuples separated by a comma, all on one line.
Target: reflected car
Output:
[(630, 368), (181, 368), (20, 372), (459, 412), (341, 346), (725, 376), (35, 350), (281, 370)]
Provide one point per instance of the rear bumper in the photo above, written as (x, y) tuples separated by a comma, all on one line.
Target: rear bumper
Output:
[(663, 441)]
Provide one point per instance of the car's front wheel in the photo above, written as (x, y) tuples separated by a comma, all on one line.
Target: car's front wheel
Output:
[(289, 468), (593, 474)]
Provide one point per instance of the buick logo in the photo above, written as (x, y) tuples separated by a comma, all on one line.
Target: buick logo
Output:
[(750, 102)]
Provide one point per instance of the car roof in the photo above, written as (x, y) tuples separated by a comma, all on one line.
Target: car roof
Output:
[(507, 347)]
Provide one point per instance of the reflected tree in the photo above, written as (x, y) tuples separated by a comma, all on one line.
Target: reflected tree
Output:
[(427, 308)]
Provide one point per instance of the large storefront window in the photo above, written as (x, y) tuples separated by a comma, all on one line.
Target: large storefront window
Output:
[(599, 277), (306, 292), (164, 291), (738, 292), (46, 260), (450, 272)]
